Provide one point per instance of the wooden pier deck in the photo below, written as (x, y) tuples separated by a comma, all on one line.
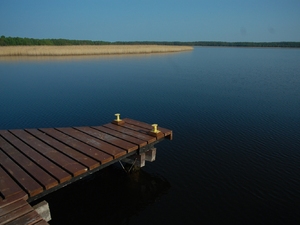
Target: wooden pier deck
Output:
[(35, 162)]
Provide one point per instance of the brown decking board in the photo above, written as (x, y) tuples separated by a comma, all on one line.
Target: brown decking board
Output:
[(20, 212), (49, 166), (39, 174), (129, 147), (122, 136), (22, 208), (27, 219), (91, 152), (41, 222), (31, 186), (101, 145), (65, 162), (11, 207), (34, 162), (134, 133), (13, 198), (77, 156), (8, 187), (167, 133)]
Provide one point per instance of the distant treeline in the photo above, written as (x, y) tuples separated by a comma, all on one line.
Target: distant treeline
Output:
[(218, 43), (14, 41)]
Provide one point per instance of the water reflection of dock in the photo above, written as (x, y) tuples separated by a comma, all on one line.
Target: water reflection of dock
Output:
[(111, 196), (35, 162)]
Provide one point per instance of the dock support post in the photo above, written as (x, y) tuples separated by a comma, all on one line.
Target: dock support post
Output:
[(43, 210), (150, 155), (140, 162), (136, 160)]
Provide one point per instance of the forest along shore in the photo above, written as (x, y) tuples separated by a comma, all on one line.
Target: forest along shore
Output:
[(73, 50)]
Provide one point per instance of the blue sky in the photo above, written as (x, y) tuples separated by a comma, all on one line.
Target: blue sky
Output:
[(153, 20)]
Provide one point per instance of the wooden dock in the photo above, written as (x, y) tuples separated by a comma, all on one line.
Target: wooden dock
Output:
[(35, 162)]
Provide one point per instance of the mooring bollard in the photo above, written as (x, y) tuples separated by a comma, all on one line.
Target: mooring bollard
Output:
[(154, 130), (118, 121), (118, 117)]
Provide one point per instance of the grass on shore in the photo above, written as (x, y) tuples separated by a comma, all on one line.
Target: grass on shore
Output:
[(88, 50)]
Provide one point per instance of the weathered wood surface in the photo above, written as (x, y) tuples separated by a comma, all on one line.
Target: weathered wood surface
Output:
[(33, 161), (20, 212)]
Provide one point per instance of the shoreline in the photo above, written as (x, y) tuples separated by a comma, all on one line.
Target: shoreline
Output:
[(82, 50)]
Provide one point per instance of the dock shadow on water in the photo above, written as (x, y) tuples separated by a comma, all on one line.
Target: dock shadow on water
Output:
[(110, 196)]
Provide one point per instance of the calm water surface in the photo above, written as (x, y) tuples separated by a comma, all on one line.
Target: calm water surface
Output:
[(236, 122)]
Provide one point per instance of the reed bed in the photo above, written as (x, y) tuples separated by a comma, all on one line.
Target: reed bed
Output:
[(74, 50)]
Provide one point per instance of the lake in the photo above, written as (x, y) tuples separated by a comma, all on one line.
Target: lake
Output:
[(235, 117)]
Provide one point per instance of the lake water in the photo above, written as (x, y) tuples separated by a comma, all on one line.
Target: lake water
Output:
[(236, 122)]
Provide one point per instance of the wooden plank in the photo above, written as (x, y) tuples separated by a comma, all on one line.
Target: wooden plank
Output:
[(57, 172), (78, 156), (44, 178), (13, 198), (42, 222), (11, 207), (148, 127), (143, 130), (149, 139), (62, 160), (79, 146), (18, 212), (122, 136), (8, 186), (129, 147), (101, 145), (26, 181), (27, 219)]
